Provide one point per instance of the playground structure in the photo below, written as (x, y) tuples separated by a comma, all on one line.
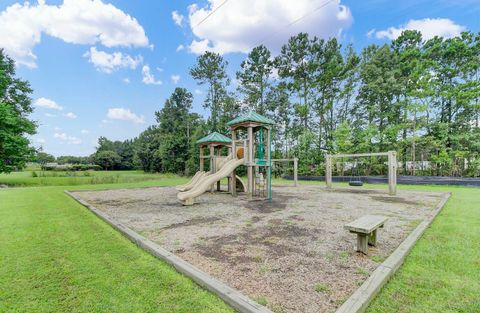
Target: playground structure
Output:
[(216, 144), (392, 168), (249, 146)]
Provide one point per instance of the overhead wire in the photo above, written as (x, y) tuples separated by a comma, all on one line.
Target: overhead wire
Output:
[(276, 32), (293, 22), (211, 13)]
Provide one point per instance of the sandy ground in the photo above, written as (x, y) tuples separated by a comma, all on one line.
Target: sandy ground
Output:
[(292, 253)]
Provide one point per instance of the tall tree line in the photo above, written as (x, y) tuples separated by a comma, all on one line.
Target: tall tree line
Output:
[(417, 97), (420, 98), (168, 146)]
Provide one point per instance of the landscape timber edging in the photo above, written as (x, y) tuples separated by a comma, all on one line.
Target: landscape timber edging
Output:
[(228, 294), (358, 302)]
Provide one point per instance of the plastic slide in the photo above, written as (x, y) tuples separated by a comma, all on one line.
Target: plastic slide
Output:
[(180, 187), (192, 181), (204, 184), (221, 161), (240, 184), (200, 174)]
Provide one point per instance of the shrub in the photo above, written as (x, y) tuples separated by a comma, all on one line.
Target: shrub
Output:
[(72, 167)]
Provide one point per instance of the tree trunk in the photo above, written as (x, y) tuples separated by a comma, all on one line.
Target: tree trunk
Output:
[(413, 141)]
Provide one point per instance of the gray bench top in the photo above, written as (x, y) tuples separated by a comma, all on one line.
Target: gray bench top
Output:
[(366, 224)]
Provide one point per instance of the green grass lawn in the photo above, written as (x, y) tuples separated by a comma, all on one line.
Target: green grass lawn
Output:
[(57, 256), (69, 178), (442, 272)]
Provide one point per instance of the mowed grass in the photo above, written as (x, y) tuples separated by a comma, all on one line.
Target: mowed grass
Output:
[(56, 256), (442, 272), (72, 178)]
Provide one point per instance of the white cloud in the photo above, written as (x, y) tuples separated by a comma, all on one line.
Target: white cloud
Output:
[(67, 139), (124, 115), (50, 115), (429, 27), (71, 115), (84, 131), (41, 140), (109, 62), (160, 69), (198, 92), (148, 78), (47, 104), (75, 21), (177, 18), (240, 25), (180, 48), (126, 80), (200, 46), (175, 78), (57, 128)]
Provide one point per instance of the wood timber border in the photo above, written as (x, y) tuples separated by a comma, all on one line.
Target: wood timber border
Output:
[(228, 294), (357, 303)]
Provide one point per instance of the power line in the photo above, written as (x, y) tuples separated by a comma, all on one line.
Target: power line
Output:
[(294, 22), (210, 14)]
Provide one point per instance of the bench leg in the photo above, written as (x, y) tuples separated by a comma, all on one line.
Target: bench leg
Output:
[(372, 238), (362, 243)]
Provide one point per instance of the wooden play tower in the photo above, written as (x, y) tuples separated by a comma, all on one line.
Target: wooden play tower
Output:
[(251, 140), (250, 146), (215, 144)]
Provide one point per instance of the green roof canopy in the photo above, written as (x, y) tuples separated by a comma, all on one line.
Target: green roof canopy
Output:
[(214, 137), (251, 117)]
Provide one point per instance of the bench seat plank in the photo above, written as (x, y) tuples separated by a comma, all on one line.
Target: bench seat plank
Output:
[(366, 224)]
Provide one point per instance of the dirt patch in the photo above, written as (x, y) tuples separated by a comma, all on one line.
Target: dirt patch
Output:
[(253, 243), (193, 221), (355, 191), (276, 204), (256, 219), (292, 251), (390, 199), (296, 217)]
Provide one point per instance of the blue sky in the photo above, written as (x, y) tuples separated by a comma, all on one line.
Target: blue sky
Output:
[(103, 68)]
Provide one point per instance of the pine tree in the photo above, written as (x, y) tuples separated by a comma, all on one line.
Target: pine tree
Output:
[(210, 69), (254, 78)]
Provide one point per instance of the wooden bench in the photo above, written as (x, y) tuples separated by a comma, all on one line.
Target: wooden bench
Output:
[(366, 229)]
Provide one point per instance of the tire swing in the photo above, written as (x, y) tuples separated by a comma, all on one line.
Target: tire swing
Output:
[(355, 180)]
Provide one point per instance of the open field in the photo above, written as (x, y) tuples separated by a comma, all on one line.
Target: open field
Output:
[(56, 256), (292, 253), (71, 178)]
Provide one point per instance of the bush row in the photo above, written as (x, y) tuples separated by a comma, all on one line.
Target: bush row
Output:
[(72, 167)]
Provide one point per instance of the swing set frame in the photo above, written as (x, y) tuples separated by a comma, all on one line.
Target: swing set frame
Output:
[(295, 167), (392, 167)]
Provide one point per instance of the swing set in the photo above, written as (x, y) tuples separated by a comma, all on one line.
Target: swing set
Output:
[(355, 178)]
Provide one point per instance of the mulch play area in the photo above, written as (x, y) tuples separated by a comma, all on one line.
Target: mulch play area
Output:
[(291, 254)]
